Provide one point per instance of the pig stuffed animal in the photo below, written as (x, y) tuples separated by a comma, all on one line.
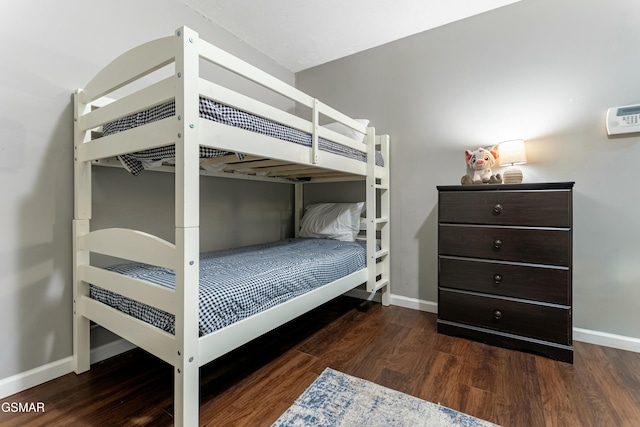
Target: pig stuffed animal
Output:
[(479, 164)]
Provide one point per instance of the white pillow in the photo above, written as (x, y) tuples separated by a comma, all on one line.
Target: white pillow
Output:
[(339, 221), (347, 131)]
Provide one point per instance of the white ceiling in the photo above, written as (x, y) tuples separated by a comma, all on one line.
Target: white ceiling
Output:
[(300, 34)]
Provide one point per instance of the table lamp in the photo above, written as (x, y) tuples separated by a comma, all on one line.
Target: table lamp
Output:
[(512, 153)]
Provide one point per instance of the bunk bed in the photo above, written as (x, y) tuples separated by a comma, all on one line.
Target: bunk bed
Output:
[(164, 124)]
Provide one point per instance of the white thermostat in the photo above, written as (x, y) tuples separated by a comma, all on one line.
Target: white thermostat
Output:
[(624, 119)]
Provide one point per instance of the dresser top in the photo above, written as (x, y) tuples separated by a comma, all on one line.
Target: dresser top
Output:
[(508, 187)]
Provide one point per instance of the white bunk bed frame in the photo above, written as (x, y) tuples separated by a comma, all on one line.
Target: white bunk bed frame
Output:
[(185, 350)]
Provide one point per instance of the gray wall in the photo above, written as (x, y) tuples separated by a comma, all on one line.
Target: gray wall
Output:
[(49, 49), (542, 70)]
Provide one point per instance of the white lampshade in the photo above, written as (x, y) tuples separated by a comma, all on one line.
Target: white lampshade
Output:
[(512, 153)]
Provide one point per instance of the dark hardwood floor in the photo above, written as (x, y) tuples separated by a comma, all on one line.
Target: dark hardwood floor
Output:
[(392, 346)]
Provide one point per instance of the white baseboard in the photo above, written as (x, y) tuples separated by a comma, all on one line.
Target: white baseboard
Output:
[(414, 303), (34, 377), (606, 339), (106, 351), (42, 374)]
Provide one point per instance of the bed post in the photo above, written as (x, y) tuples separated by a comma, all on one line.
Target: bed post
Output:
[(187, 208), (82, 216), (298, 207)]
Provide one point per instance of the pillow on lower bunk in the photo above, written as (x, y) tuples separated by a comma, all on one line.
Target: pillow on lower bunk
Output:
[(339, 221)]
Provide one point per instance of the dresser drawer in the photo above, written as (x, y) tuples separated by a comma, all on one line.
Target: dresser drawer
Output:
[(530, 245), (542, 322), (531, 208), (519, 281)]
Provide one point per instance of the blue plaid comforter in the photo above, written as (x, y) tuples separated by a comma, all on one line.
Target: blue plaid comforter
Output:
[(238, 283), (220, 113)]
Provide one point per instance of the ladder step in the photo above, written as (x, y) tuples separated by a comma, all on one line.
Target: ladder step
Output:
[(381, 283), (379, 222), (382, 253)]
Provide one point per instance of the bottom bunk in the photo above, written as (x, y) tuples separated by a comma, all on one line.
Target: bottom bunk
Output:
[(189, 309), (238, 283)]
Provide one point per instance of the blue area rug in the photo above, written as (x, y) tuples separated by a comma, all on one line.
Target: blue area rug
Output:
[(339, 400)]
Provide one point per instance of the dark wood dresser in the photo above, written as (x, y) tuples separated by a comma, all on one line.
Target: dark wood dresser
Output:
[(504, 265)]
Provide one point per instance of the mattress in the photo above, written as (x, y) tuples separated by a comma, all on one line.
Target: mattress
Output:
[(238, 283), (212, 110)]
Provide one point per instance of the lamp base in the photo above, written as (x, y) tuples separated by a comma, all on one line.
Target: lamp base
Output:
[(512, 175)]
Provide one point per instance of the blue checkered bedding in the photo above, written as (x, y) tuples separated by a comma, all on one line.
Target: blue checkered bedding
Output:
[(220, 113), (238, 283)]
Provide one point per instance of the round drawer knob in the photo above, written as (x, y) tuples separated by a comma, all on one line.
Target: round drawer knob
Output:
[(497, 278), (497, 243), (497, 314), (497, 209)]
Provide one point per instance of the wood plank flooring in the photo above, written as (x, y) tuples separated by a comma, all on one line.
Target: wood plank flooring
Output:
[(392, 346)]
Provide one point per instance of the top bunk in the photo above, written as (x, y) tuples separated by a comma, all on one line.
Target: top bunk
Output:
[(184, 120)]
